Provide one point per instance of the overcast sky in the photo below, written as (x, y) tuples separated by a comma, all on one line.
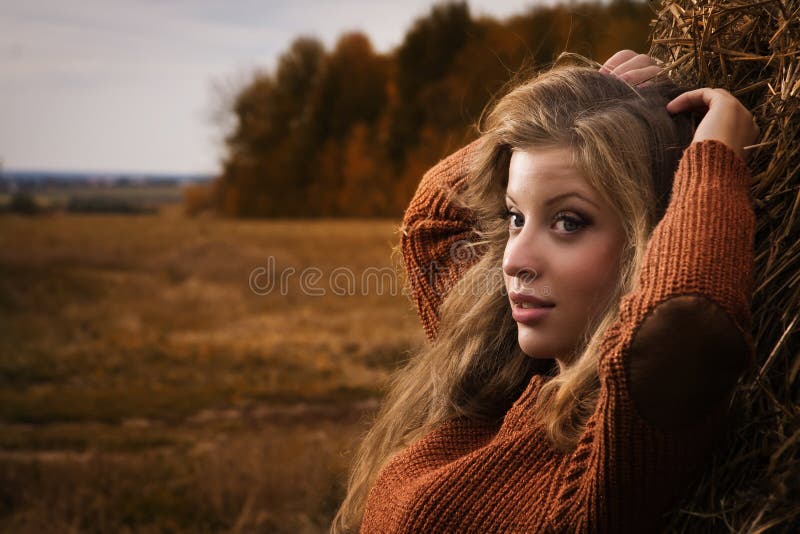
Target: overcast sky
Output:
[(127, 86)]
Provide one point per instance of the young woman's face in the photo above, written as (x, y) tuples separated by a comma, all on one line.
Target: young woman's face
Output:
[(564, 246)]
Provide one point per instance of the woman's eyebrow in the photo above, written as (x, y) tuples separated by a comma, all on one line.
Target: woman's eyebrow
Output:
[(559, 197), (570, 194)]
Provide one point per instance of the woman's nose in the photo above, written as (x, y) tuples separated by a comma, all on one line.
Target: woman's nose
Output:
[(523, 259)]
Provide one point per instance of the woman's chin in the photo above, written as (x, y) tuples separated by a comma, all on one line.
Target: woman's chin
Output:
[(543, 347), (536, 352), (534, 347)]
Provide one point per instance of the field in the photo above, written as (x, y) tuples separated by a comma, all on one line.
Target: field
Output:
[(152, 381)]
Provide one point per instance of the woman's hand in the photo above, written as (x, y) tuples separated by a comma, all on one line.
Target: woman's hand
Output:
[(726, 120), (631, 67)]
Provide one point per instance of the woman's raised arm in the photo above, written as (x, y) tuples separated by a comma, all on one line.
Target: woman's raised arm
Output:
[(689, 321), (434, 232)]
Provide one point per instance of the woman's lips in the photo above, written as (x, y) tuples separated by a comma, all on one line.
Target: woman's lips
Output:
[(529, 315), (534, 308)]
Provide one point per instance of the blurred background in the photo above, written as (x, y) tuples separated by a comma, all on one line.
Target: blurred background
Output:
[(199, 304)]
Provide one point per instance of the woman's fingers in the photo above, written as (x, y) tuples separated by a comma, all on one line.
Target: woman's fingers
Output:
[(639, 61), (638, 76), (616, 60), (631, 67), (696, 100), (725, 119)]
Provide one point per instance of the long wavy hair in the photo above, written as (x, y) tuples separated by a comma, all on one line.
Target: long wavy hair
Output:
[(628, 147)]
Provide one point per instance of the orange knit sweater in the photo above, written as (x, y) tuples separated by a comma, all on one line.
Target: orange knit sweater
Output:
[(667, 368)]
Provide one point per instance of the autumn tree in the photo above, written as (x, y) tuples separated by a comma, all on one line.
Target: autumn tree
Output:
[(351, 91), (267, 151), (425, 55), (349, 132)]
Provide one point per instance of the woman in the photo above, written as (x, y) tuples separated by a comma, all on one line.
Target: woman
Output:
[(587, 306)]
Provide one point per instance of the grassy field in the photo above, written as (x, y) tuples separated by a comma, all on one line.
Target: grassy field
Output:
[(146, 387)]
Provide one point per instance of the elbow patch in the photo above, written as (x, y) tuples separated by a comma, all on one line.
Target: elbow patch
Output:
[(684, 360)]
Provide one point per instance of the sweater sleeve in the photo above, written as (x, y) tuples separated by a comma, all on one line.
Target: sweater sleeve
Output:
[(672, 358), (434, 232)]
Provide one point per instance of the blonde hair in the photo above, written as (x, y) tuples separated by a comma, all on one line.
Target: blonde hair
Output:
[(627, 146)]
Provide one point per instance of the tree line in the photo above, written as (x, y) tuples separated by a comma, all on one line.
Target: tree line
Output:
[(349, 132)]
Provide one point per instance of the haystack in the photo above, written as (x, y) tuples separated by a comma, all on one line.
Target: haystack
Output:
[(752, 49)]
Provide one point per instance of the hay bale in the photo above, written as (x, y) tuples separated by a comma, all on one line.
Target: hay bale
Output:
[(752, 49)]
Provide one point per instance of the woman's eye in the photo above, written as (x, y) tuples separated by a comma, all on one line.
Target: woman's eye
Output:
[(513, 218), (570, 224)]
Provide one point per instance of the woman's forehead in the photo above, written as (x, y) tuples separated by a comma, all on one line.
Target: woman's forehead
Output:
[(533, 170)]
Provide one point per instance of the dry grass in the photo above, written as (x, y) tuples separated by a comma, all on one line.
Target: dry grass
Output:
[(752, 49), (146, 387)]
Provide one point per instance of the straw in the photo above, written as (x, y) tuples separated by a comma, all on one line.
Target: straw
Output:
[(752, 49)]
